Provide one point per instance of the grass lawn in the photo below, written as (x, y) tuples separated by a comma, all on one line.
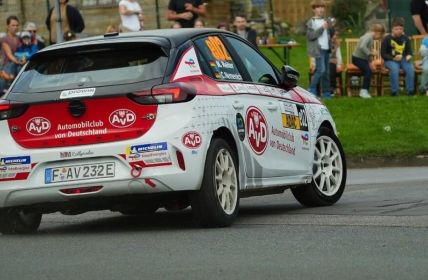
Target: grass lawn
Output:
[(380, 126)]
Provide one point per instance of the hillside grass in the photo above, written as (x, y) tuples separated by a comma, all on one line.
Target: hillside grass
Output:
[(380, 126)]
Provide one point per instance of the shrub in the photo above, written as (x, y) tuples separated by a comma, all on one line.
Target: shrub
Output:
[(350, 14)]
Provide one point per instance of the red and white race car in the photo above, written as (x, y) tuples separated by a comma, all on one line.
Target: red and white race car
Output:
[(165, 118)]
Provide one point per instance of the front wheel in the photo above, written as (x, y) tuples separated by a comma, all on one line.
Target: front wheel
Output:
[(19, 221), (329, 172), (216, 203)]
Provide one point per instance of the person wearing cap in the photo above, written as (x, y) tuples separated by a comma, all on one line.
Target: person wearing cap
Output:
[(71, 19), (319, 39), (35, 38), (27, 48)]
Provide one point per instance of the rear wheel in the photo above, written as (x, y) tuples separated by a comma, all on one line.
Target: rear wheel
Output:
[(216, 203), (19, 221), (329, 172)]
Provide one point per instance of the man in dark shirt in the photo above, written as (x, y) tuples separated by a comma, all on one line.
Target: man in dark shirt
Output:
[(419, 10), (185, 11), (242, 29)]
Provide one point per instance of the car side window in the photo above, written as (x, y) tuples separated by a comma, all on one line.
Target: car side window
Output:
[(259, 69), (220, 63)]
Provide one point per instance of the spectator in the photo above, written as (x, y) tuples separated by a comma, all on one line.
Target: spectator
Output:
[(397, 53), (176, 24), (240, 23), (10, 43), (199, 23), (71, 19), (69, 36), (131, 16), (419, 10), (423, 86), (318, 37), (35, 38), (185, 11), (363, 56), (335, 62), (222, 26), (27, 48)]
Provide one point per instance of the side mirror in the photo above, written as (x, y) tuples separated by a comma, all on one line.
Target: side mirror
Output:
[(289, 77)]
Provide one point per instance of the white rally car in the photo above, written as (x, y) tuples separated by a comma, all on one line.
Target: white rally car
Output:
[(165, 118)]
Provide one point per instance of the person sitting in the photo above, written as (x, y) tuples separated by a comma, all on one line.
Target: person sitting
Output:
[(397, 53), (27, 49)]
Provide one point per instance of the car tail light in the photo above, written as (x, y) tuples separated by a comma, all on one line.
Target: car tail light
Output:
[(81, 190), (167, 93), (10, 109)]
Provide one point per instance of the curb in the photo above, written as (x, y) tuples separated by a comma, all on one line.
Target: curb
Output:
[(388, 161)]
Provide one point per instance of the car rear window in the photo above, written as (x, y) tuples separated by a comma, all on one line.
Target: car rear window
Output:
[(92, 66)]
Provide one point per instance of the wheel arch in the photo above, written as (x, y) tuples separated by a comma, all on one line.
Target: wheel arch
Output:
[(226, 134), (328, 125)]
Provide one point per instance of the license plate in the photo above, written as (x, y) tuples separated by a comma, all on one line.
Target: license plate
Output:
[(79, 172)]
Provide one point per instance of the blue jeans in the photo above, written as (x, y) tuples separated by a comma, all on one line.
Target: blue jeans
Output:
[(394, 74), (423, 86), (364, 66), (321, 74)]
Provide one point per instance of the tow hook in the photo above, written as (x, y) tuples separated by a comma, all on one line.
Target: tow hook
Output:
[(136, 170)]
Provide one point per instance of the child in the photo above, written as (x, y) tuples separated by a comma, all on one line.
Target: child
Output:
[(397, 53), (319, 47), (363, 55), (27, 48), (424, 76)]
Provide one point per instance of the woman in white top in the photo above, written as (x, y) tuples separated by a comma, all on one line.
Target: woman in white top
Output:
[(131, 16)]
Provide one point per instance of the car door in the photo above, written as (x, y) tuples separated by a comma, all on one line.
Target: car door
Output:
[(289, 141), (255, 113)]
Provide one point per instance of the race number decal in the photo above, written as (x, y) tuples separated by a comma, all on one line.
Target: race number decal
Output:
[(217, 48), (256, 126)]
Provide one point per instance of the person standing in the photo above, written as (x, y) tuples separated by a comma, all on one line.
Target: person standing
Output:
[(242, 29), (419, 11), (185, 11), (397, 53), (318, 37), (131, 16), (71, 20), (363, 56), (9, 44)]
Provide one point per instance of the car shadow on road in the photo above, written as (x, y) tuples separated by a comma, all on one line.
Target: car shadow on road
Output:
[(161, 220)]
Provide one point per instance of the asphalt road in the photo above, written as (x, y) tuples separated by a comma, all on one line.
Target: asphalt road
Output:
[(378, 230)]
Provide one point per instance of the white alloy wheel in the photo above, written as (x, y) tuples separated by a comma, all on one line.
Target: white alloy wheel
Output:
[(327, 167), (226, 181)]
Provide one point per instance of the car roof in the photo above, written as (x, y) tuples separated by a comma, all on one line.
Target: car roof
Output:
[(169, 38)]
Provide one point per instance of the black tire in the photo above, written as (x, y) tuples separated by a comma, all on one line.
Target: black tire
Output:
[(210, 208), (329, 173), (13, 221)]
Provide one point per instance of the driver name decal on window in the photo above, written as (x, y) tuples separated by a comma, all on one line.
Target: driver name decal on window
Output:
[(219, 59)]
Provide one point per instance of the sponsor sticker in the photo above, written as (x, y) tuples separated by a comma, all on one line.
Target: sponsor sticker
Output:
[(257, 129), (305, 141), (188, 66), (122, 118), (240, 126), (73, 93), (153, 153), (192, 140), (297, 121), (38, 126), (15, 160), (11, 167), (225, 88), (76, 154)]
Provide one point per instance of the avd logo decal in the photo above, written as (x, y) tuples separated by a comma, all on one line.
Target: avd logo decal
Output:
[(192, 140), (122, 118), (38, 126), (256, 126)]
